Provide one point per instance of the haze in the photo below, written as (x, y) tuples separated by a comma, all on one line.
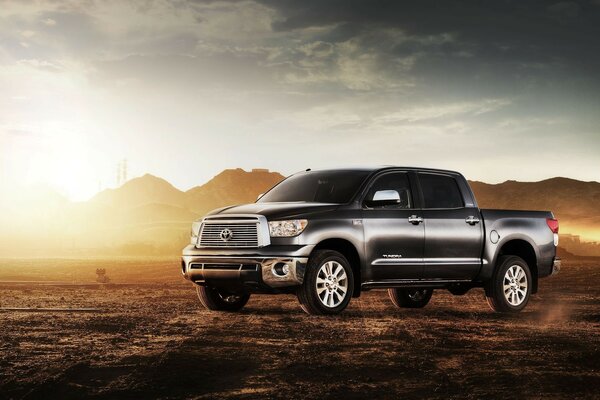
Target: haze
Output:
[(184, 90)]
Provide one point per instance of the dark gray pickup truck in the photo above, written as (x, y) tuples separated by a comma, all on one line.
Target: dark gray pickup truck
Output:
[(329, 235)]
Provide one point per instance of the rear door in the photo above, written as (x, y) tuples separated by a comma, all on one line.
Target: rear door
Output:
[(453, 229), (393, 244)]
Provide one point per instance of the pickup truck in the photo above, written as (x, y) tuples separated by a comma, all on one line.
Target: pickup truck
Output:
[(329, 235)]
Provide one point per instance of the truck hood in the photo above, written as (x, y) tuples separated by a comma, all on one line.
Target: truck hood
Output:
[(277, 210)]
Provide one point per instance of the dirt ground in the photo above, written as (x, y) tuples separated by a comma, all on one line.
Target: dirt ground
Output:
[(152, 340)]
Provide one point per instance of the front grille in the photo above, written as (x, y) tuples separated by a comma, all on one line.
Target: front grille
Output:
[(229, 234)]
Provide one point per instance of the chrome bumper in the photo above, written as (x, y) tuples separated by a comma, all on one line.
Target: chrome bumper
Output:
[(555, 266), (252, 271)]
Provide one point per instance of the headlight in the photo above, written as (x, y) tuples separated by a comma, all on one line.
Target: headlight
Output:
[(195, 232), (288, 228)]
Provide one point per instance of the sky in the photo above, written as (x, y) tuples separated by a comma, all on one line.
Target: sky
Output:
[(184, 89)]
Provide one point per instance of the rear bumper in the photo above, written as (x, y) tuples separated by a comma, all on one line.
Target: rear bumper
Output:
[(250, 270)]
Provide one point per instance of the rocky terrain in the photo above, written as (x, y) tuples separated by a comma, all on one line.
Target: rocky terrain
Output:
[(149, 338)]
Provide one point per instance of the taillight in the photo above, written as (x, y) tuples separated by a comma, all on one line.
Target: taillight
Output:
[(552, 224)]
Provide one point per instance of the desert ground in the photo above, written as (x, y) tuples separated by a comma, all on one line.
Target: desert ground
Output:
[(144, 335)]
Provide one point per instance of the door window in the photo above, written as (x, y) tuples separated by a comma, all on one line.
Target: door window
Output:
[(397, 181), (440, 191)]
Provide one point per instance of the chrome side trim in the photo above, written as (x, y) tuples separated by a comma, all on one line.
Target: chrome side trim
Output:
[(452, 261), (398, 261), (427, 261)]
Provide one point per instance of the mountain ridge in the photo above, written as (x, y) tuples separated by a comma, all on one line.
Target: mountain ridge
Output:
[(555, 178), (148, 212), (230, 184)]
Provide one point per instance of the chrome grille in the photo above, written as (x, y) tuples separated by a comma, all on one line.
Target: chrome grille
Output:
[(243, 234)]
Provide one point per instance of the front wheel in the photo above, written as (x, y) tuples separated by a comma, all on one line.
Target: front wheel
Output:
[(410, 298), (328, 283), (510, 287), (217, 299)]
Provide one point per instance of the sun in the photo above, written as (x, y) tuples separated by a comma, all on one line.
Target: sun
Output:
[(62, 161)]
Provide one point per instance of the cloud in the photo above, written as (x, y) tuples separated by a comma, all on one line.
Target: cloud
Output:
[(328, 76), (565, 10), (433, 112), (40, 64), (49, 22), (515, 33), (18, 132), (192, 73)]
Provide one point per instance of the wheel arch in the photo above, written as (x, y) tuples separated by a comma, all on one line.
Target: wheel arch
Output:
[(521, 248), (349, 250)]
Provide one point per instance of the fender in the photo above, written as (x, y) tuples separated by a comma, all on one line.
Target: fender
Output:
[(508, 229), (347, 228)]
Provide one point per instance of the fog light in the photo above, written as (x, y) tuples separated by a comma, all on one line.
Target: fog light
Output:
[(281, 269)]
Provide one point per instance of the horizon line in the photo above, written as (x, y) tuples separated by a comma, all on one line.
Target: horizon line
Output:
[(254, 170)]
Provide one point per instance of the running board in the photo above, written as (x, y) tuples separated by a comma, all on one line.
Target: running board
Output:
[(399, 283)]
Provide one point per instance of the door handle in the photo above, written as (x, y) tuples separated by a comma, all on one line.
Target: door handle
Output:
[(471, 220), (413, 219)]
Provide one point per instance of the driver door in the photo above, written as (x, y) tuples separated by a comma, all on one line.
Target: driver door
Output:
[(394, 233)]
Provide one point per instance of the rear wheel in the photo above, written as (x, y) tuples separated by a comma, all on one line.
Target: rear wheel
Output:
[(328, 283), (410, 298), (510, 287), (218, 299)]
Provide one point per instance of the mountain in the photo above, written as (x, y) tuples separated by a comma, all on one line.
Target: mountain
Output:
[(576, 204), (232, 186), (147, 189), (148, 215), (567, 198)]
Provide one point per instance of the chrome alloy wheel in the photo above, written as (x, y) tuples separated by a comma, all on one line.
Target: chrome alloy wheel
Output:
[(332, 284), (515, 285)]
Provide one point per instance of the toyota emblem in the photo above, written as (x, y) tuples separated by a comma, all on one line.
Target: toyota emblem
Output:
[(226, 235)]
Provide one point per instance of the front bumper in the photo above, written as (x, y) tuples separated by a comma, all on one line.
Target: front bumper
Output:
[(251, 269)]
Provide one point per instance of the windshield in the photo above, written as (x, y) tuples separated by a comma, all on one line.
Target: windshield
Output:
[(319, 186)]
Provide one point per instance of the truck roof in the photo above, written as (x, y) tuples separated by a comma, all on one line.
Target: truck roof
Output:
[(383, 168)]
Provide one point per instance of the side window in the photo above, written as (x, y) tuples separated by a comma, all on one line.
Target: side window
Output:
[(440, 191), (397, 181)]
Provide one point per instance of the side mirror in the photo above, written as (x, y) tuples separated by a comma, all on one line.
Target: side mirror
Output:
[(384, 198)]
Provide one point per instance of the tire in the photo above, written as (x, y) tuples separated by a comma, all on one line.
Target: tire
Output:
[(410, 298), (328, 274), (505, 294), (217, 299)]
